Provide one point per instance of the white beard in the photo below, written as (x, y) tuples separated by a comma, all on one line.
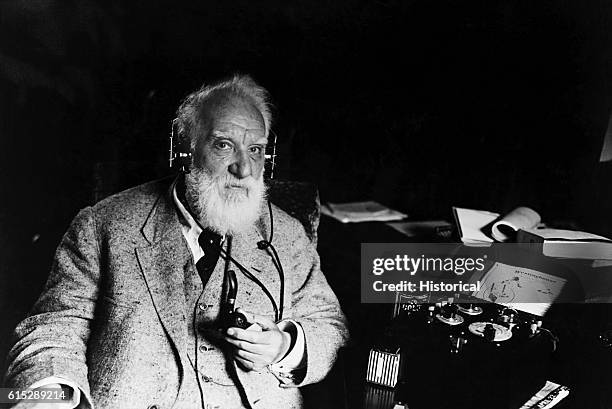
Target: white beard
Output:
[(226, 211)]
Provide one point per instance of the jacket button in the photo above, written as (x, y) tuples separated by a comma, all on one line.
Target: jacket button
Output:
[(204, 348), (202, 307), (153, 407)]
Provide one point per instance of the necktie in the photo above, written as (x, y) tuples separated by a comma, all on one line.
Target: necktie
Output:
[(210, 242)]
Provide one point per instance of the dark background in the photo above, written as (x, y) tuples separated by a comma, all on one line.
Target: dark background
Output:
[(421, 105)]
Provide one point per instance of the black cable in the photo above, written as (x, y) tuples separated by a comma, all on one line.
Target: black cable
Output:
[(264, 245), (251, 277), (281, 273), (195, 367), (278, 315), (271, 222)]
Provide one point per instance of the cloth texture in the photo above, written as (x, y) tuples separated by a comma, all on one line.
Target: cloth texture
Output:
[(112, 317), (200, 242)]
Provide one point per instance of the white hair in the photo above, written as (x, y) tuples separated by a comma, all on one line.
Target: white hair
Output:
[(189, 113)]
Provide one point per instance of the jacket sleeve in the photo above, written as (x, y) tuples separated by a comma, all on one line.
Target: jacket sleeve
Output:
[(316, 308), (52, 340)]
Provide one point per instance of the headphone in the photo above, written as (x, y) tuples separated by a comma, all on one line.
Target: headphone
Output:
[(180, 159), (180, 155)]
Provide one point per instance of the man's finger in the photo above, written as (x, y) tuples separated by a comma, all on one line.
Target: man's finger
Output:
[(249, 356), (248, 365), (257, 363), (246, 346), (254, 337), (264, 322)]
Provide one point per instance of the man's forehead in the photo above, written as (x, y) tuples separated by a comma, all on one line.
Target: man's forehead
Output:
[(232, 128), (235, 109), (237, 126)]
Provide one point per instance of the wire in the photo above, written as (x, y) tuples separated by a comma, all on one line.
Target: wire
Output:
[(277, 263), (278, 314), (271, 222), (554, 339), (206, 377), (195, 367), (281, 274), (251, 277)]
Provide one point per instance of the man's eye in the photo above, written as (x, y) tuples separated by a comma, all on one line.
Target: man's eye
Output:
[(256, 149), (222, 145)]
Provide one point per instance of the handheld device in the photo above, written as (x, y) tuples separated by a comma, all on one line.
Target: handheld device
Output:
[(232, 318)]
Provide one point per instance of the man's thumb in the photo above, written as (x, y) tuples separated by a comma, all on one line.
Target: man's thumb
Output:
[(264, 322)]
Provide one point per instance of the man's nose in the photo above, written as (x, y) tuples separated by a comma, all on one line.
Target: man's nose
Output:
[(241, 166)]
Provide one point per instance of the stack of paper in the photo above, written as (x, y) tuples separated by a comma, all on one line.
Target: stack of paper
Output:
[(361, 212), (568, 243)]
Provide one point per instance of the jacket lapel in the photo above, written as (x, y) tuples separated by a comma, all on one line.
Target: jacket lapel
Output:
[(162, 264)]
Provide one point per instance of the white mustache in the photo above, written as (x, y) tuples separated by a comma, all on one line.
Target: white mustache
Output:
[(225, 203), (230, 181)]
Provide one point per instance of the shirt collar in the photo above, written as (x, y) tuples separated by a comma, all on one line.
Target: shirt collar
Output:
[(185, 217)]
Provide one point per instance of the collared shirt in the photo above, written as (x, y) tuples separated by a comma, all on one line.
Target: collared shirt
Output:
[(296, 357)]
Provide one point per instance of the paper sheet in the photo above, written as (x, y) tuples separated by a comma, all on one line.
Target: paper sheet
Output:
[(520, 288), (519, 218), (471, 222)]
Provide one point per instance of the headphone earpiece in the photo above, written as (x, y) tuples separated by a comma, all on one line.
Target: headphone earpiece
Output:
[(180, 153), (270, 156)]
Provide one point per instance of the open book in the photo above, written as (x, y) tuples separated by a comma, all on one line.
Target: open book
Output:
[(523, 225), (482, 226)]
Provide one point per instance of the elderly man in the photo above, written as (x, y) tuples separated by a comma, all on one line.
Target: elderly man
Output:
[(134, 312)]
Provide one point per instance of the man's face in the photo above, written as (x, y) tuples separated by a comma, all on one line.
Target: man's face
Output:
[(225, 186), (233, 145)]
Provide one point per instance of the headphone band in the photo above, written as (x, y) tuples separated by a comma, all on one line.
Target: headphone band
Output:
[(180, 156)]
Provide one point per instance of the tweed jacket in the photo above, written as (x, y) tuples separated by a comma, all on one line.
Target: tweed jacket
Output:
[(112, 316)]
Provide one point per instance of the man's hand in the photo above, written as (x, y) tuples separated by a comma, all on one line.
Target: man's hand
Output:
[(257, 349)]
